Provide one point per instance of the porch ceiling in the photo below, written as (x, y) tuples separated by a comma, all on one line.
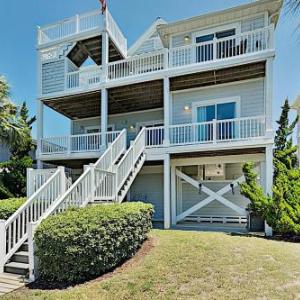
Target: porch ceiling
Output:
[(92, 48), (243, 72), (135, 97)]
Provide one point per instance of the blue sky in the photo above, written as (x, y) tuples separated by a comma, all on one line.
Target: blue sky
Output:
[(18, 21)]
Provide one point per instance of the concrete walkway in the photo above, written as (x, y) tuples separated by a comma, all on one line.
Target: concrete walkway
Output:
[(10, 282)]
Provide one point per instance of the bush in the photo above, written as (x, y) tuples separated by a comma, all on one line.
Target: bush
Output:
[(9, 206), (81, 244)]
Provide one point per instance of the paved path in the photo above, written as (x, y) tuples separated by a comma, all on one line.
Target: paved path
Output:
[(10, 282)]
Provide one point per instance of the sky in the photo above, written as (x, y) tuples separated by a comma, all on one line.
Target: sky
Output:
[(19, 20)]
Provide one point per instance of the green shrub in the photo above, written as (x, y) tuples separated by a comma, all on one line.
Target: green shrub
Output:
[(9, 206), (81, 244)]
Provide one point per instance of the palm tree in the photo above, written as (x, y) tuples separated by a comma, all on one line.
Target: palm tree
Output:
[(11, 125)]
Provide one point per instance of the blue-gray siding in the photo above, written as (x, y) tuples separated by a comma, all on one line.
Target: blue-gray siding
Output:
[(251, 94), (53, 76)]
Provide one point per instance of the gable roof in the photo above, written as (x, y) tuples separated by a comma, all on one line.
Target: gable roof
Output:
[(146, 35), (223, 16)]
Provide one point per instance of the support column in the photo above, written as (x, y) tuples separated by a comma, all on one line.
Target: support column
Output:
[(269, 181), (269, 97), (298, 133), (40, 132), (167, 198), (105, 55), (167, 110), (173, 195), (104, 113)]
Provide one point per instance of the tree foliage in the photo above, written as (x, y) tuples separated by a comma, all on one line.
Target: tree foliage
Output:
[(281, 210), (15, 133)]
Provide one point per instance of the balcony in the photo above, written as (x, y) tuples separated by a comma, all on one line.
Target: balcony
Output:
[(201, 135), (205, 133), (156, 64), (75, 145)]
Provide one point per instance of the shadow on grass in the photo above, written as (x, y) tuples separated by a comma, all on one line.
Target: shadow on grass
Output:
[(276, 237)]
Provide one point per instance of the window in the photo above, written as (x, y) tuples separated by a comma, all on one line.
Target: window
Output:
[(96, 129)]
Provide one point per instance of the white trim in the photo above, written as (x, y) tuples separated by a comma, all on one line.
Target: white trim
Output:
[(236, 99), (145, 36), (215, 29)]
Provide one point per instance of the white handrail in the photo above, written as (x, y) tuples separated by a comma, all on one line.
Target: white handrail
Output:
[(32, 210), (108, 158), (130, 158)]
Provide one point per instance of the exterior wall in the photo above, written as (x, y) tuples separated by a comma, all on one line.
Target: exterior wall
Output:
[(53, 67), (243, 26), (152, 44), (120, 122), (148, 187), (53, 76), (251, 93)]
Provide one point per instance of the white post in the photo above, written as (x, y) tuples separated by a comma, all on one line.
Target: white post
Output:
[(63, 183), (269, 97), (269, 181), (167, 198), (166, 110), (29, 182), (104, 113), (214, 131), (173, 195), (2, 244), (40, 132), (166, 59), (92, 183), (105, 55), (32, 266)]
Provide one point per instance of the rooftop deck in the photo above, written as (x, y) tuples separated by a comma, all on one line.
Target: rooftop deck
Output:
[(73, 27)]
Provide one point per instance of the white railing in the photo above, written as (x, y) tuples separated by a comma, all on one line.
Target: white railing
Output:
[(215, 131), (116, 33), (13, 232), (84, 79), (155, 136), (75, 143), (237, 45), (69, 27), (130, 158), (105, 185), (35, 178), (137, 65), (109, 157)]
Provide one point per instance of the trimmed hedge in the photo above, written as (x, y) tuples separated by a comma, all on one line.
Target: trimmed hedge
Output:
[(9, 206), (81, 244)]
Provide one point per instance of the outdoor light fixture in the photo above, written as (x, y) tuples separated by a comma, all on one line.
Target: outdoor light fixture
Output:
[(131, 127), (186, 108), (187, 38)]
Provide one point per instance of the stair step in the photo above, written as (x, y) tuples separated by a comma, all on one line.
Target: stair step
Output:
[(24, 247), (21, 257), (17, 268)]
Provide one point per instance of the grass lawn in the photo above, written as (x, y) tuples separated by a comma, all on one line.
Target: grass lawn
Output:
[(195, 265)]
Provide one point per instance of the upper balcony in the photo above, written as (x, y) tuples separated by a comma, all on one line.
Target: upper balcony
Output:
[(82, 25), (195, 57)]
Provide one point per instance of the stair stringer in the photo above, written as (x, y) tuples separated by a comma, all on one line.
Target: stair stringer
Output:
[(130, 179)]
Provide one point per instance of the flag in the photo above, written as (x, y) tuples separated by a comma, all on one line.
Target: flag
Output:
[(103, 3)]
